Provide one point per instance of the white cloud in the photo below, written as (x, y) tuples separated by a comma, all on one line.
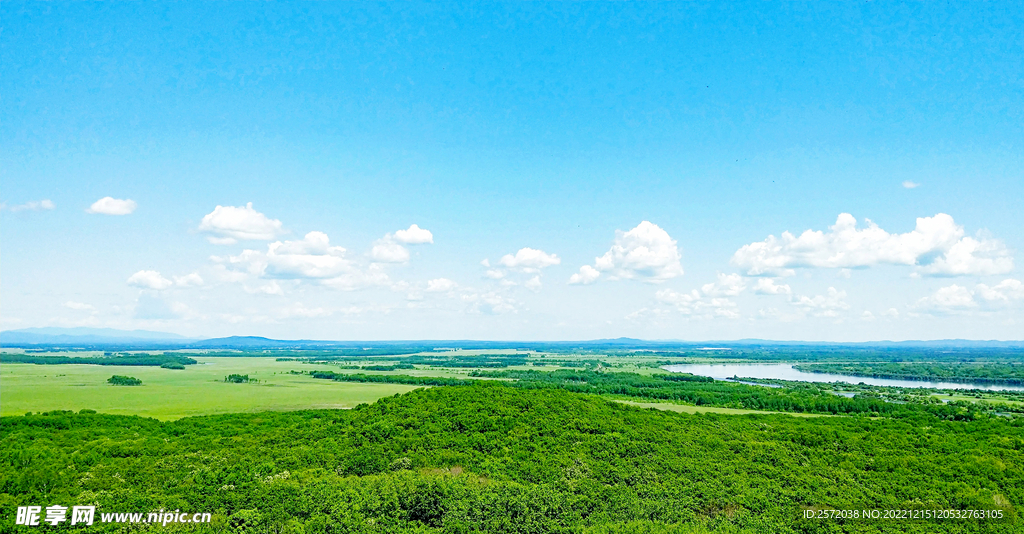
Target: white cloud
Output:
[(829, 305), (910, 185), (149, 280), (228, 224), (389, 252), (485, 262), (645, 253), (587, 275), (533, 284), (530, 260), (311, 258), (113, 206), (693, 303), (936, 245), (189, 280), (1007, 291), (494, 274), (767, 286), (440, 285), (971, 256), (728, 285), (80, 306), (34, 205), (867, 316), (959, 299), (891, 312), (388, 249), (490, 303), (272, 288), (948, 299), (414, 236)]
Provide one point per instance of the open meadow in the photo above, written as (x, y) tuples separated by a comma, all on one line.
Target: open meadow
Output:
[(168, 394)]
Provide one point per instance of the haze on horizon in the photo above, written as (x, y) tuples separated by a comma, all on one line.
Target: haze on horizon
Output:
[(514, 172)]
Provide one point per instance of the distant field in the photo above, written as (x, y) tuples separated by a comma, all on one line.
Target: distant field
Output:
[(169, 394)]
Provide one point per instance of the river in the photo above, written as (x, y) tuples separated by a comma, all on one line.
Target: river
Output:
[(785, 371)]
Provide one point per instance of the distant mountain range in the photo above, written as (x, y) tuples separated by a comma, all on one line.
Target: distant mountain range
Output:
[(112, 338)]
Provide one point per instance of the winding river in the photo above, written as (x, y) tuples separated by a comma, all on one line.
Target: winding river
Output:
[(785, 371)]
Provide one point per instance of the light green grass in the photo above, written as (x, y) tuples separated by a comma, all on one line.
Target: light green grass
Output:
[(168, 394), (685, 408), (985, 397)]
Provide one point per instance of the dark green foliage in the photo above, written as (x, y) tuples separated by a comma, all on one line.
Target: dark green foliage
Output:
[(995, 373), (154, 360), (688, 388), (121, 380), (394, 367), (491, 458), (237, 379), (172, 365)]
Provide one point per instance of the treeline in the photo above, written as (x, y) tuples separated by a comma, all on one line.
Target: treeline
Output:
[(441, 359), (489, 459), (994, 373), (690, 389), (388, 379), (147, 360)]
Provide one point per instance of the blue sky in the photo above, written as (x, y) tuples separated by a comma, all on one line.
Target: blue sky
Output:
[(652, 143)]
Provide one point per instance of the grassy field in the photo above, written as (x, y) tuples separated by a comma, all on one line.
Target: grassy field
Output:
[(168, 394)]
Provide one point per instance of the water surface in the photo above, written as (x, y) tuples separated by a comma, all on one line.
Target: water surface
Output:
[(785, 371)]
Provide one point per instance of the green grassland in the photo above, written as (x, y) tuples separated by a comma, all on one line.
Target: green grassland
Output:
[(167, 394), (200, 390)]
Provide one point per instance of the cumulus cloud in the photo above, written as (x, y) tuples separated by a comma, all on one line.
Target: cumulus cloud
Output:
[(228, 224), (494, 274), (529, 260), (311, 257), (34, 205), (828, 305), (726, 285), (389, 249), (937, 246), (149, 280), (112, 206), (587, 275), (189, 280), (768, 286), (490, 303), (910, 185), (958, 299), (414, 235), (389, 252), (533, 284), (694, 303), (710, 301), (440, 285), (644, 253)]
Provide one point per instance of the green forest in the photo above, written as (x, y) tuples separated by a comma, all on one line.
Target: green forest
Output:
[(699, 391), (996, 373), (493, 458)]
